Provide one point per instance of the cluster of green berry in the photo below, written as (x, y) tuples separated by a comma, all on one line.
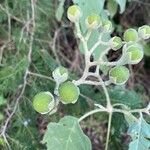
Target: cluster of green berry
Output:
[(132, 50), (67, 91)]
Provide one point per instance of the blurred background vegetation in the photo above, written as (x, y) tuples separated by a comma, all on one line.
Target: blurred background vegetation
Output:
[(51, 40)]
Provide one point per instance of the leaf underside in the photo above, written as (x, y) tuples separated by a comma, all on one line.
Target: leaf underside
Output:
[(140, 134), (66, 135)]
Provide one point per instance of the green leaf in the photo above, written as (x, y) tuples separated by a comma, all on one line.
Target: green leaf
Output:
[(122, 4), (60, 10), (130, 119), (129, 98), (112, 7), (88, 7), (66, 135), (140, 134)]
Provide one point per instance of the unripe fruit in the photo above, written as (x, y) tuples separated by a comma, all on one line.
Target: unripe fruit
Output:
[(130, 35), (144, 32), (43, 102), (115, 43), (60, 74), (107, 26), (119, 75), (134, 54), (68, 92), (93, 21), (74, 13)]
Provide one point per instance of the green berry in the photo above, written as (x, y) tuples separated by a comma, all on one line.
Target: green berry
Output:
[(107, 26), (134, 54), (119, 75), (63, 70), (74, 13), (68, 92), (144, 32), (130, 35), (93, 21), (60, 74), (115, 43), (43, 102)]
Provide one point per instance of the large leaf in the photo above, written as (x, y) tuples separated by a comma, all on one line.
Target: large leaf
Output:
[(66, 135), (129, 98), (140, 134), (88, 7)]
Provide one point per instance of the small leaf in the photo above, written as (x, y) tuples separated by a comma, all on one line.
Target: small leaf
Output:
[(66, 135), (140, 134), (112, 7), (122, 4)]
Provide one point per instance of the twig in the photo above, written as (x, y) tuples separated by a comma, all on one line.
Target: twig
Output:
[(54, 46), (2, 50), (41, 76), (8, 14), (90, 113)]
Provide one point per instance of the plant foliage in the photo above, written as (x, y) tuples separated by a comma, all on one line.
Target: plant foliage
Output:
[(65, 135)]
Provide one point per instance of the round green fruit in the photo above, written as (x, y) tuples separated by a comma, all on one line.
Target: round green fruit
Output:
[(130, 35), (60, 74), (134, 53), (115, 43), (119, 75), (107, 26), (43, 102), (144, 32), (93, 21), (74, 13), (68, 92)]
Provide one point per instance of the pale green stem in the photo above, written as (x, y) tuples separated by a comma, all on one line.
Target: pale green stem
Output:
[(88, 35), (80, 36), (108, 130), (104, 53), (90, 113), (109, 109), (106, 94)]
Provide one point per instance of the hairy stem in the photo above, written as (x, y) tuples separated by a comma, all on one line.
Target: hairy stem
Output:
[(90, 113), (108, 130)]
